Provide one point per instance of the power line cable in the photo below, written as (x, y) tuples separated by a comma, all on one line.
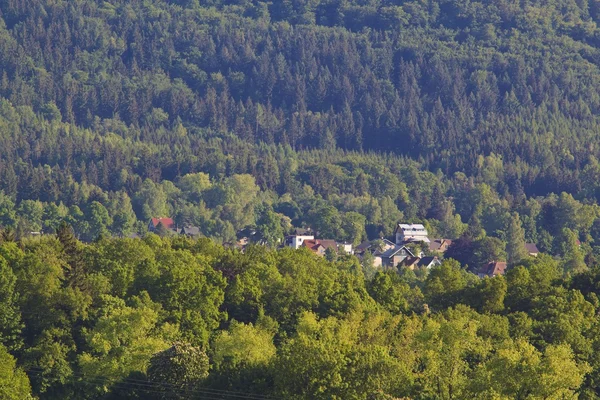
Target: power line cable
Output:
[(165, 385)]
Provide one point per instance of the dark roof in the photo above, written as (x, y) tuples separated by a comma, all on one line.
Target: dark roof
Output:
[(392, 252), (410, 261), (364, 246), (166, 222), (191, 230), (495, 268), (437, 244), (302, 232), (328, 243), (531, 248), (426, 261)]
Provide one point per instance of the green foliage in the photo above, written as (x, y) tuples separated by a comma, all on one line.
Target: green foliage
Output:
[(147, 310), (445, 284), (178, 370), (122, 340), (478, 119), (14, 384), (10, 316)]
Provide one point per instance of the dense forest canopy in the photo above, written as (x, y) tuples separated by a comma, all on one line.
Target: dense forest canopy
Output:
[(175, 318), (390, 110), (440, 81), (478, 119)]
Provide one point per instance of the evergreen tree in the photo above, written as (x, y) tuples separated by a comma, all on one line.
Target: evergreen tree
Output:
[(515, 240), (75, 273), (573, 257)]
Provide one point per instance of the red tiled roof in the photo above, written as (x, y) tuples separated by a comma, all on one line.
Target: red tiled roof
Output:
[(495, 268), (167, 222), (313, 245)]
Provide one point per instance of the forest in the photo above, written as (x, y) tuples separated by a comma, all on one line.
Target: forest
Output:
[(478, 119), (176, 318)]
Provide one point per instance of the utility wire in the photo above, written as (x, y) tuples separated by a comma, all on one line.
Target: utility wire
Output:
[(165, 385), (134, 386)]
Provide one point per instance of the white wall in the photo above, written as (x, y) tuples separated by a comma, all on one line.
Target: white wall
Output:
[(298, 240)]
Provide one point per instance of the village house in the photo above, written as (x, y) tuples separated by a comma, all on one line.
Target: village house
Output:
[(345, 247), (492, 269), (385, 253), (374, 245), (298, 236), (429, 262), (440, 245), (420, 262), (407, 233), (392, 257), (376, 248), (191, 231), (409, 262), (320, 246), (167, 223), (532, 249)]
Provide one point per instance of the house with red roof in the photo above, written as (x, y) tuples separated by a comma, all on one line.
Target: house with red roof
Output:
[(168, 223), (492, 269), (319, 246)]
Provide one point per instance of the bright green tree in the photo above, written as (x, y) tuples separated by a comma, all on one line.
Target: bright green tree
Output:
[(14, 384), (123, 339)]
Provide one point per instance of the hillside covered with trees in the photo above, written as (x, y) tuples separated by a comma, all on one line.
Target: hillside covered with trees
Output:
[(478, 119), (388, 109)]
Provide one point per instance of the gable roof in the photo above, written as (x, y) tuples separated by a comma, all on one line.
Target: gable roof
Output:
[(312, 244), (167, 222), (427, 261), (363, 246), (370, 244), (439, 244), (494, 268), (395, 250), (328, 243), (531, 248), (410, 261)]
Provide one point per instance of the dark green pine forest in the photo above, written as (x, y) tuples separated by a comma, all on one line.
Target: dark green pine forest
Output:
[(478, 119)]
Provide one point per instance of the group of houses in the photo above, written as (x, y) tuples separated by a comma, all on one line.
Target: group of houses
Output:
[(386, 254), (306, 238), (167, 225), (406, 251)]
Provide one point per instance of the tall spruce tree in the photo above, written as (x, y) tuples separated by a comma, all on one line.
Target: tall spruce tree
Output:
[(515, 240), (75, 273)]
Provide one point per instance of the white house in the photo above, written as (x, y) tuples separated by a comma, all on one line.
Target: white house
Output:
[(411, 233), (345, 247), (298, 237)]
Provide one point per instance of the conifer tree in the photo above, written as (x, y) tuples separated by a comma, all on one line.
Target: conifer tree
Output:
[(75, 273), (515, 240)]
